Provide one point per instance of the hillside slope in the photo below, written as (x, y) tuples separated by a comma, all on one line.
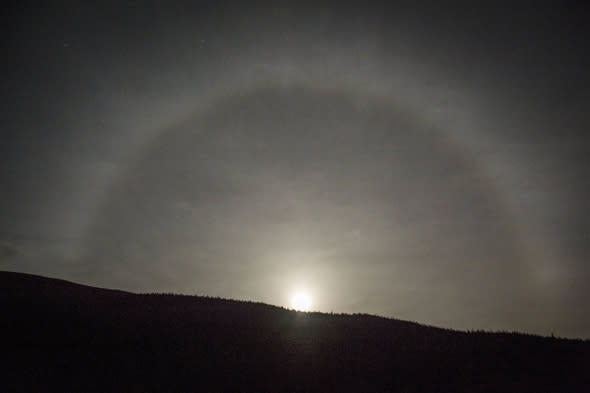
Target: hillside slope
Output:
[(60, 336)]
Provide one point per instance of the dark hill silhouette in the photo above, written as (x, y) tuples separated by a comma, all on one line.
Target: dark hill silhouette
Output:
[(61, 336)]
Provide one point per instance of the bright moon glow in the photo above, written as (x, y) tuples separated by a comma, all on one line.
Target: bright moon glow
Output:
[(301, 302)]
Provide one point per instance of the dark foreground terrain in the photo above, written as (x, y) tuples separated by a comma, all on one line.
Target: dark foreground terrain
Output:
[(60, 336)]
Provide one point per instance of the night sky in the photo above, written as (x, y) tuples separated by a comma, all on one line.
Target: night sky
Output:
[(429, 163)]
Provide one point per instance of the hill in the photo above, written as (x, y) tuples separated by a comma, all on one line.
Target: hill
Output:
[(61, 336)]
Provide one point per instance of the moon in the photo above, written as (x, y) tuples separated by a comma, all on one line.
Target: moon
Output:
[(301, 302)]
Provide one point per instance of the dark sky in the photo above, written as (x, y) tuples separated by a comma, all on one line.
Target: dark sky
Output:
[(423, 162)]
